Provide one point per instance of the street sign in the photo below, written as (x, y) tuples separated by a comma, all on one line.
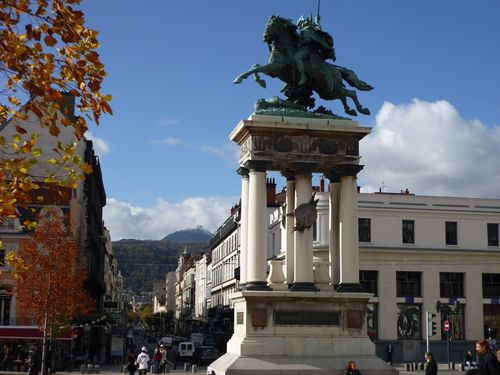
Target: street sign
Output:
[(446, 326)]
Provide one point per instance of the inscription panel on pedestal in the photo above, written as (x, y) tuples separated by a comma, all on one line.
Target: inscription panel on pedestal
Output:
[(307, 318)]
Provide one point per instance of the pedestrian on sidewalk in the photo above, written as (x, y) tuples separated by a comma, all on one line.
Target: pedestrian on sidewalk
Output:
[(487, 362), (431, 367), (143, 361), (352, 369), (131, 364)]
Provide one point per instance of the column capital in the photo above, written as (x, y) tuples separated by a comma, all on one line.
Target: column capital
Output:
[(299, 168), (257, 165), (344, 170), (333, 176), (242, 171), (288, 174)]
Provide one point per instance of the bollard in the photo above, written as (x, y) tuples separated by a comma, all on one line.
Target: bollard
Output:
[(193, 368), (83, 369), (96, 369), (407, 367), (186, 366), (90, 368)]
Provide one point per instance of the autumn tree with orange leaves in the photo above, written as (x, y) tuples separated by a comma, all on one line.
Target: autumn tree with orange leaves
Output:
[(51, 290), (46, 53)]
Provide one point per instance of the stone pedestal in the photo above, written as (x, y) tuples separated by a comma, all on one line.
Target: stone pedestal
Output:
[(287, 332)]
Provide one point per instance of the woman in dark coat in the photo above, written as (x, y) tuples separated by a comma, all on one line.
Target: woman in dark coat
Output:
[(352, 369), (431, 367), (487, 362)]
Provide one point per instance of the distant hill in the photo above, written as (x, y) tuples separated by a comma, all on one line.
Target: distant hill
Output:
[(198, 234), (144, 261)]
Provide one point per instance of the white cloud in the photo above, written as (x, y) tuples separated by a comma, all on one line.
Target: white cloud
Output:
[(171, 141), (228, 151), (429, 149), (127, 221), (101, 147), (168, 121)]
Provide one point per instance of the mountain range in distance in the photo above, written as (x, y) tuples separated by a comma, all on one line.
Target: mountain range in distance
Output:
[(144, 261)]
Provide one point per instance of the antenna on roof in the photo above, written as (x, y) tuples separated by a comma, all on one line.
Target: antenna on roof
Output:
[(317, 17)]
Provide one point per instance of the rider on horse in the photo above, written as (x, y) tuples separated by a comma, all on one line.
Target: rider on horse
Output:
[(313, 41)]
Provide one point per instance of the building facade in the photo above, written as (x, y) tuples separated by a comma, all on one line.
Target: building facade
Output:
[(422, 254)]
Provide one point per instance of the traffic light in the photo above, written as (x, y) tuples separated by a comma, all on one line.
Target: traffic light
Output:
[(431, 324)]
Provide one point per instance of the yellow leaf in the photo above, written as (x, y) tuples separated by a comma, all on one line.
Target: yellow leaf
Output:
[(87, 169)]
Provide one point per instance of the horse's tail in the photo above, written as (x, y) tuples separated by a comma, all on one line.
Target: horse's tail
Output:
[(352, 79)]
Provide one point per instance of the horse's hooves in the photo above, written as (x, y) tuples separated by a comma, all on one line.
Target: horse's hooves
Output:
[(237, 80), (262, 83), (365, 111), (351, 112)]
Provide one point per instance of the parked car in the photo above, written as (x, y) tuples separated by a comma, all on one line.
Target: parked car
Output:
[(207, 355)]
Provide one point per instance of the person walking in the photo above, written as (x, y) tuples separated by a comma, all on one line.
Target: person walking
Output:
[(431, 367), (131, 365), (487, 362), (352, 369), (388, 351), (157, 359), (143, 361)]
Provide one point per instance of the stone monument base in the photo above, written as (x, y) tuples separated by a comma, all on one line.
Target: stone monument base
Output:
[(292, 332)]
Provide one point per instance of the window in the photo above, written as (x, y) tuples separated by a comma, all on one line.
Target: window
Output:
[(2, 256), (492, 234), (491, 285), (368, 280), (372, 320), (451, 232), (408, 284), (408, 231), (491, 320), (409, 324), (451, 284), (5, 296), (364, 229)]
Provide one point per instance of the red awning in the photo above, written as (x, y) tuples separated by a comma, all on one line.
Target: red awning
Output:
[(32, 333)]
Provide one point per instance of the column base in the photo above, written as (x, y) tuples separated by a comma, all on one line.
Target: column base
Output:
[(304, 287), (255, 285), (349, 288)]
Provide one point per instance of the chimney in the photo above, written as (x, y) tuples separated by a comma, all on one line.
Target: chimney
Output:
[(271, 191)]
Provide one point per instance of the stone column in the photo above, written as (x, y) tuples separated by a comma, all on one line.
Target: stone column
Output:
[(257, 227), (303, 239), (243, 172), (348, 225), (334, 240), (287, 235)]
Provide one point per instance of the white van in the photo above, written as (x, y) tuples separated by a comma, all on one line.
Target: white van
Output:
[(185, 350)]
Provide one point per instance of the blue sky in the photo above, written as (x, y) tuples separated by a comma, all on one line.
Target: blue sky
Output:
[(165, 154)]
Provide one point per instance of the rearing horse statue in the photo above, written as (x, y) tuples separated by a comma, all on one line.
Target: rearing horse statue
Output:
[(299, 61)]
